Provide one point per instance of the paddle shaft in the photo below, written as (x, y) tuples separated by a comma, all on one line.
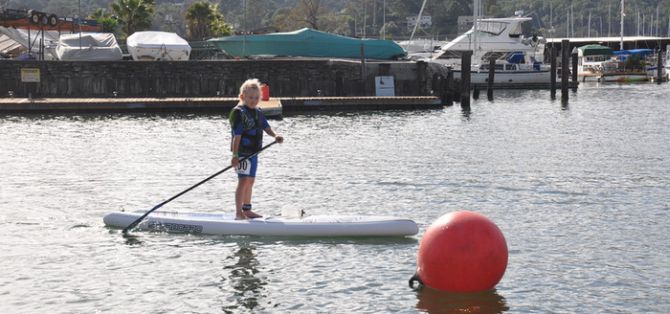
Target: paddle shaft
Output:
[(138, 220)]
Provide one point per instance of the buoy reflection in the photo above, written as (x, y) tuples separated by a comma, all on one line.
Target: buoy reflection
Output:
[(435, 301)]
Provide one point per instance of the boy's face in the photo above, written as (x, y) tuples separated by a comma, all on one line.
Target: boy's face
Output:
[(251, 98)]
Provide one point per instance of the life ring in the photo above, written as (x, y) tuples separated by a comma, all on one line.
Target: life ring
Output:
[(53, 20), (44, 19)]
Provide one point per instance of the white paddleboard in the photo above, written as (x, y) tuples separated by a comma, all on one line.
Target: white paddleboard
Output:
[(225, 224)]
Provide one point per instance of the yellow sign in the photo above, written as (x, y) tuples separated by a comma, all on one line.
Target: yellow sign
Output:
[(30, 75)]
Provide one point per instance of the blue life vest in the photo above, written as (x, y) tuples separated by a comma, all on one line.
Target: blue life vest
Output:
[(252, 129)]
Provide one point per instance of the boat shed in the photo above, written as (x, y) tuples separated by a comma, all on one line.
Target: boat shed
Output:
[(629, 42)]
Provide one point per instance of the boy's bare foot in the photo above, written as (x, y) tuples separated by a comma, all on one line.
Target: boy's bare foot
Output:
[(240, 216), (251, 214)]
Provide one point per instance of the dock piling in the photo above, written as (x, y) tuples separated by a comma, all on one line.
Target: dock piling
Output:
[(448, 94), (489, 85), (573, 70), (553, 72), (466, 61), (565, 68), (659, 67)]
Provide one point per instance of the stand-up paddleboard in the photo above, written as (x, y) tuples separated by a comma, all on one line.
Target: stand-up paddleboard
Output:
[(225, 224)]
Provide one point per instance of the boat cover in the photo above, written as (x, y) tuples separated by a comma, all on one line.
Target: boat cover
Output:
[(154, 45), (17, 39), (308, 42), (88, 47)]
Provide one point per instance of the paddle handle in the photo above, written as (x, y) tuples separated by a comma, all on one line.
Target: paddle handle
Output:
[(138, 220)]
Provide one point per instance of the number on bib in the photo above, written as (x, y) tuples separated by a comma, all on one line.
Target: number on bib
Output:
[(244, 167)]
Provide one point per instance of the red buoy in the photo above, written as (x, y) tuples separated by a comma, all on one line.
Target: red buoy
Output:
[(462, 252)]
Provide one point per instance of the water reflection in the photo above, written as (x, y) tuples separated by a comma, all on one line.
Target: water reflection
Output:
[(436, 301), (242, 278)]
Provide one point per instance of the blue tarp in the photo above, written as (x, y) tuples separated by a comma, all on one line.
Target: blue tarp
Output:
[(641, 52)]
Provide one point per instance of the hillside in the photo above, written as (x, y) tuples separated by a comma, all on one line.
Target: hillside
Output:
[(355, 17)]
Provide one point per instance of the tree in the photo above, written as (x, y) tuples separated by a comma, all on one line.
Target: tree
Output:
[(205, 21), (306, 13), (108, 22), (133, 15)]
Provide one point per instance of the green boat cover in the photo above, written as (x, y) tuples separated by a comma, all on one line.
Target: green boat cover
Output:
[(308, 42), (591, 50)]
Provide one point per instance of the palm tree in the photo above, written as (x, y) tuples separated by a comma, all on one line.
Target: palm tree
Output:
[(133, 15), (205, 21), (105, 19)]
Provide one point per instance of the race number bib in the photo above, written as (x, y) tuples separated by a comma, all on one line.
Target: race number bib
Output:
[(244, 167)]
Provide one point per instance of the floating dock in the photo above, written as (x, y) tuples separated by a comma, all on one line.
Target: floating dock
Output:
[(274, 107)]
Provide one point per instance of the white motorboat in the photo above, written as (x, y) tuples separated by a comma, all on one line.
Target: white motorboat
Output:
[(419, 49), (518, 58), (590, 59)]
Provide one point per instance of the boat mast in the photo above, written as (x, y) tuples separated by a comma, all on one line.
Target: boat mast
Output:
[(622, 16), (418, 18), (244, 38), (475, 32)]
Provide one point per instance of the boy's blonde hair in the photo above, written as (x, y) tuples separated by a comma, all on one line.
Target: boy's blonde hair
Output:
[(249, 85)]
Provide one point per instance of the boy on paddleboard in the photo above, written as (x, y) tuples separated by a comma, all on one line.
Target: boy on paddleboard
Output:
[(247, 124)]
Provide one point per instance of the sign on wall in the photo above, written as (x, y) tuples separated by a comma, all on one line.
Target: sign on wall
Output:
[(30, 75), (384, 86)]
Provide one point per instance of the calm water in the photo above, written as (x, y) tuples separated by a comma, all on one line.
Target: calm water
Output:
[(582, 194)]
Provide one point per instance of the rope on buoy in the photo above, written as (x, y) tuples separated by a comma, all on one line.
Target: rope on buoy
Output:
[(415, 278)]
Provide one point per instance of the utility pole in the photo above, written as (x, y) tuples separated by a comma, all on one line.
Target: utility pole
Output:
[(551, 15), (374, 15), (622, 16), (588, 30), (638, 24), (384, 21), (79, 21), (244, 29)]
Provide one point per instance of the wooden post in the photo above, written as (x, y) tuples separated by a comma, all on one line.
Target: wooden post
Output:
[(449, 89), (553, 71), (573, 71), (659, 67), (492, 71), (363, 72), (565, 68), (421, 73), (466, 59)]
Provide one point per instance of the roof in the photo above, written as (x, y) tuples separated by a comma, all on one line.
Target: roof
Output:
[(592, 50)]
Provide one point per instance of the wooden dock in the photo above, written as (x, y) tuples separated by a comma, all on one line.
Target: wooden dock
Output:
[(527, 86), (361, 103), (272, 108)]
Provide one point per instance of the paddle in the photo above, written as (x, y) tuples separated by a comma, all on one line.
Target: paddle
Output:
[(138, 220)]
